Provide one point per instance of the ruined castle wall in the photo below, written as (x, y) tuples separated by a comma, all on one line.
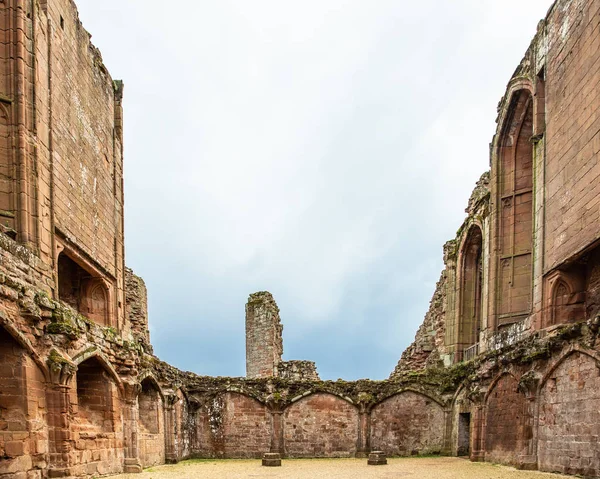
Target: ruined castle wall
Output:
[(151, 426), (231, 425), (96, 422), (136, 308), (569, 422), (23, 417), (505, 422), (572, 129), (264, 343), (61, 144), (408, 424), (184, 427), (85, 146), (321, 425)]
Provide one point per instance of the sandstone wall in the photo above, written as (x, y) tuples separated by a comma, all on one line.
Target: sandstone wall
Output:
[(572, 173), (408, 424), (264, 343), (569, 421), (136, 308), (321, 425), (505, 421), (83, 398)]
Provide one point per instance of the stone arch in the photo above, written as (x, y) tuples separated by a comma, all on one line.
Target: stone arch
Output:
[(22, 341), (408, 423), (148, 375), (568, 418), (7, 173), (95, 301), (462, 423), (470, 293), (514, 87), (23, 410), (560, 300), (573, 349), (331, 393), (249, 393), (321, 424), (513, 203), (95, 400), (426, 394), (150, 401), (506, 425), (83, 287), (565, 297), (151, 424), (94, 396), (94, 352), (231, 424)]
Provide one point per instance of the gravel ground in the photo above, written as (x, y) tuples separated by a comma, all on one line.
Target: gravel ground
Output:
[(417, 468)]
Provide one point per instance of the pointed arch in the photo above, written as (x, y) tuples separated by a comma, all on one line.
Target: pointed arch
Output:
[(568, 399), (573, 349), (470, 289), (425, 394), (7, 172), (93, 352), (148, 375), (20, 338), (408, 423), (512, 168), (506, 420), (495, 382)]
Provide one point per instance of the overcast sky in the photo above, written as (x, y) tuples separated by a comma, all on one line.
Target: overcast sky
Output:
[(323, 150)]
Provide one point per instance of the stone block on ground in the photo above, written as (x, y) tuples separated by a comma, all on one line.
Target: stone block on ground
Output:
[(377, 458), (271, 459)]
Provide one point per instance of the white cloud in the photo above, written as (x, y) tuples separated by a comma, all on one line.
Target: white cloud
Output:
[(323, 150)]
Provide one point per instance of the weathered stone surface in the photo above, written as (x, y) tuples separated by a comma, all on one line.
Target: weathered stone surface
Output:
[(271, 459), (264, 342), (504, 368), (377, 458), (298, 370)]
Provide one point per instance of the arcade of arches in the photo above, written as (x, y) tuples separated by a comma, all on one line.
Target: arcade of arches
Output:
[(505, 367)]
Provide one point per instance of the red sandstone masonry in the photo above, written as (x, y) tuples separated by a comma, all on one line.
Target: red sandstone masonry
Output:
[(408, 424), (80, 399), (321, 425)]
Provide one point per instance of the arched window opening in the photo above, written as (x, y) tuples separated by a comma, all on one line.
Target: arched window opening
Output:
[(7, 176), (12, 396), (22, 401), (515, 212), (568, 293), (150, 408), (83, 291), (560, 301), (471, 290), (95, 397)]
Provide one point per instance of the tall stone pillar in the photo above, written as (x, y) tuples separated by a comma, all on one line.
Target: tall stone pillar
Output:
[(133, 464), (277, 432), (171, 456), (363, 446), (529, 386), (57, 395), (478, 436), (264, 343)]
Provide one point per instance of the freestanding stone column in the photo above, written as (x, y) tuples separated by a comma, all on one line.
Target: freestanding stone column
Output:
[(264, 343), (133, 464), (170, 429), (61, 372), (478, 438), (364, 432)]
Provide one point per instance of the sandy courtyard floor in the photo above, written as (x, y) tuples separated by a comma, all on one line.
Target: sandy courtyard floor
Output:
[(417, 468)]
